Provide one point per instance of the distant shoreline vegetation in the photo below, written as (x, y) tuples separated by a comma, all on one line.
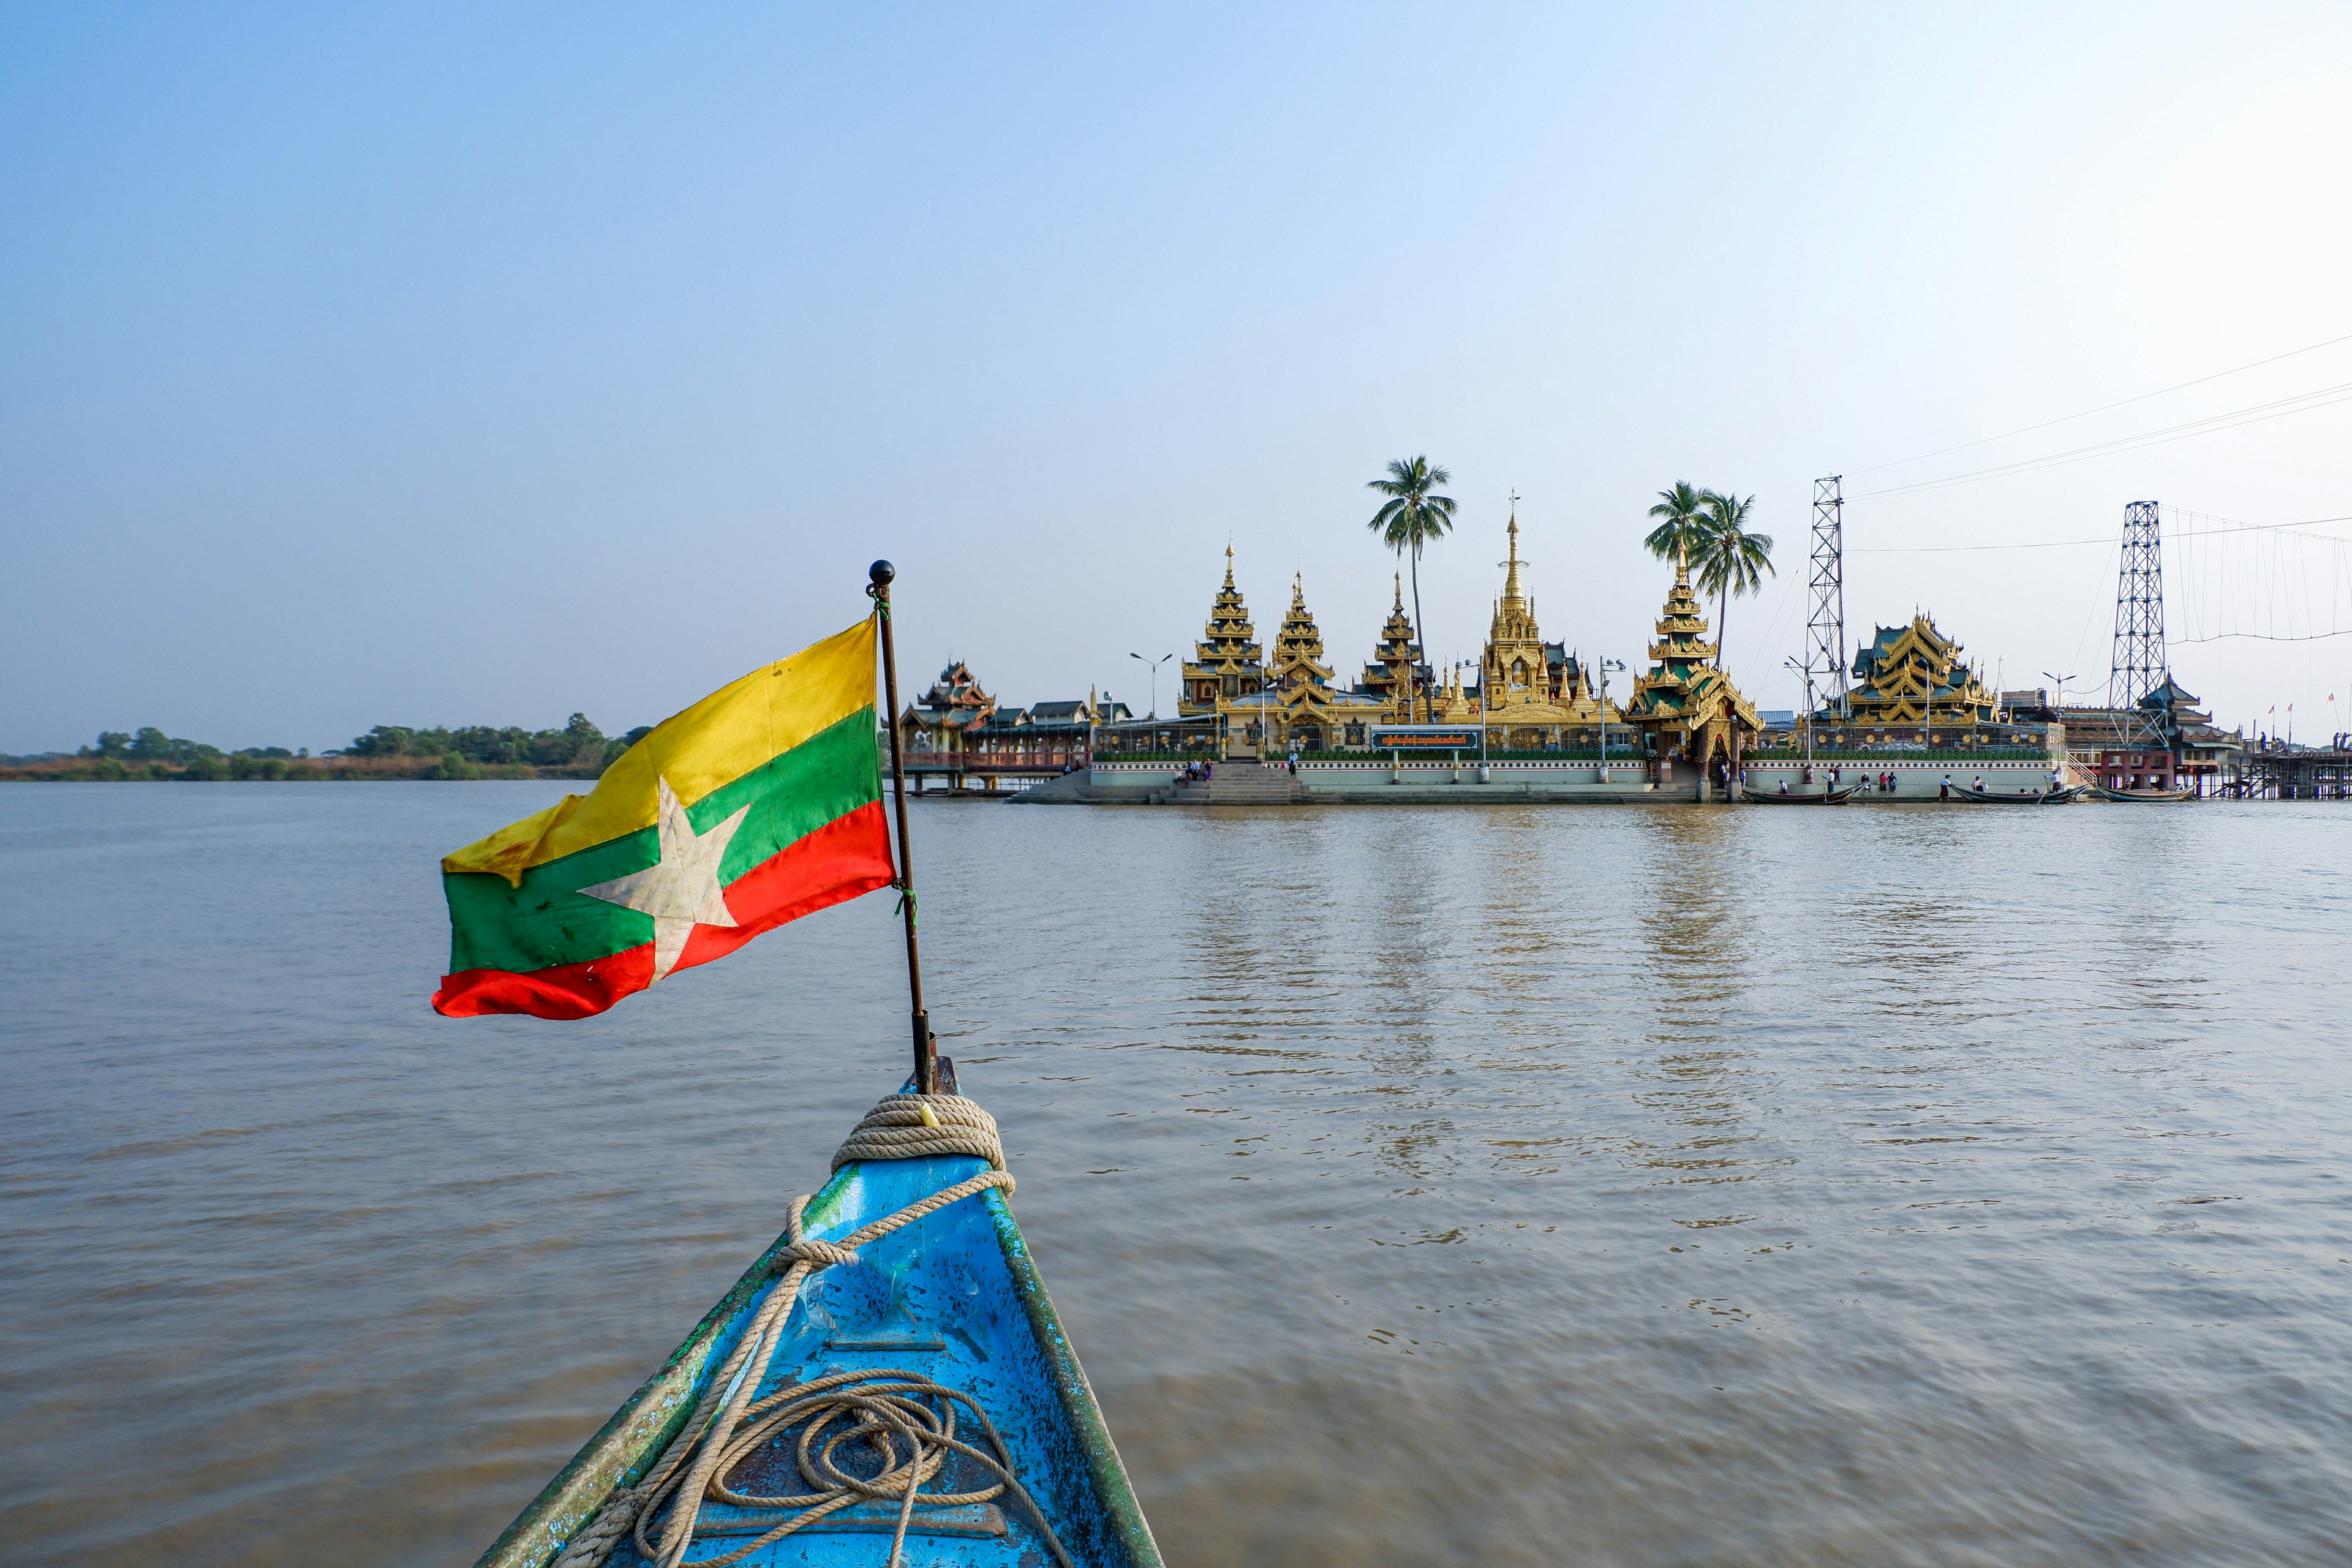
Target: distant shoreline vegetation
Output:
[(577, 751)]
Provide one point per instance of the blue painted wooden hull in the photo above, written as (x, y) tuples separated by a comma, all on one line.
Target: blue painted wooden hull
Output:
[(953, 1297)]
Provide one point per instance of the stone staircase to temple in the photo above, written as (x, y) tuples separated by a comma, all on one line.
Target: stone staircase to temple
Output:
[(1239, 783)]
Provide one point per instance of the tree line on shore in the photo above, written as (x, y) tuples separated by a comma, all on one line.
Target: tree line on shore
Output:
[(578, 749)]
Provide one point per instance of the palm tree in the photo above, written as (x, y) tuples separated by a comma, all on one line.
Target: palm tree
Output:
[(1729, 559), (1683, 523), (1407, 521)]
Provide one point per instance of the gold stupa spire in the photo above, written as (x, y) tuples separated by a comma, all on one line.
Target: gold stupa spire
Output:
[(1511, 595)]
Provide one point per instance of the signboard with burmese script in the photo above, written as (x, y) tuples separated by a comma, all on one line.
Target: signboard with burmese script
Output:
[(1424, 738)]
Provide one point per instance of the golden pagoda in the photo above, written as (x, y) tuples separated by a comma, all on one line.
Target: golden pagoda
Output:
[(1225, 666), (1309, 713), (1298, 648), (1910, 678), (1389, 675), (1537, 694), (1685, 705), (1287, 702)]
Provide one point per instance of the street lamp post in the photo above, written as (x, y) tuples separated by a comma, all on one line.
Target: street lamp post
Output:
[(1265, 725), (1606, 664), (1154, 664), (2060, 682), (1482, 722), (1154, 718), (1806, 669)]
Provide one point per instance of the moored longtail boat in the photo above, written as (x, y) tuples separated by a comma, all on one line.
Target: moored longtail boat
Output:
[(784, 1430), (891, 1366), (1825, 796), (2145, 797), (2063, 796)]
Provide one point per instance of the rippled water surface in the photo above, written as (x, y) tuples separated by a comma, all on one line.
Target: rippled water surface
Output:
[(1676, 1186)]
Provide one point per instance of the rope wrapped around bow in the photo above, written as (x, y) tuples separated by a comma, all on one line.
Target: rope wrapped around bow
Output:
[(690, 1469)]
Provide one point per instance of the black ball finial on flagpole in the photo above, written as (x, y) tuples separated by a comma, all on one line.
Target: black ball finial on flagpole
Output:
[(882, 572)]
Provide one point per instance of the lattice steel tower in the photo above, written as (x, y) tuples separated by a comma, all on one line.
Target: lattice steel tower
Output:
[(2137, 667), (1825, 633)]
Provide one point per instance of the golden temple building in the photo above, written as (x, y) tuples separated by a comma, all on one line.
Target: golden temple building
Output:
[(1907, 678), (1310, 713), (1224, 666), (1536, 695), (1389, 675), (1685, 706), (1288, 701)]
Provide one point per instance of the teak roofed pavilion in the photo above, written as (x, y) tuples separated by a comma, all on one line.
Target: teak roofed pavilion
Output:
[(957, 732), (1910, 678)]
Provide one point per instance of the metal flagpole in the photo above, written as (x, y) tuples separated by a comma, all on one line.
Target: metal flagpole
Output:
[(926, 1045)]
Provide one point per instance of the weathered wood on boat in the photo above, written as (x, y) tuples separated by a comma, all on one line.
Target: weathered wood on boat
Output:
[(888, 1311)]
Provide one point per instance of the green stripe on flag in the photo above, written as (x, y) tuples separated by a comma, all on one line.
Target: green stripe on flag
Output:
[(548, 921)]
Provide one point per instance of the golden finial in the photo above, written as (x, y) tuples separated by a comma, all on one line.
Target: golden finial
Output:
[(1511, 595)]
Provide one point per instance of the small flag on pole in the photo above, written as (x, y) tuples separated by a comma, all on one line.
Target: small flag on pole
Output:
[(759, 804)]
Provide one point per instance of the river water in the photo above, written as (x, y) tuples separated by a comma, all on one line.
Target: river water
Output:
[(1514, 1186)]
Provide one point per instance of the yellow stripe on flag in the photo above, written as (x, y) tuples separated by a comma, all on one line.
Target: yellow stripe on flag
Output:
[(740, 727)]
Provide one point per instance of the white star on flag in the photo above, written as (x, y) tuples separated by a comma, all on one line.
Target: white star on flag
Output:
[(681, 889)]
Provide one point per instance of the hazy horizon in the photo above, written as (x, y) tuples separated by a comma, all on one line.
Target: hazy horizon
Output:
[(439, 366)]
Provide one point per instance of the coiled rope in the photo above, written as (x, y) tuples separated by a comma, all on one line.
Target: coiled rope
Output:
[(906, 1420)]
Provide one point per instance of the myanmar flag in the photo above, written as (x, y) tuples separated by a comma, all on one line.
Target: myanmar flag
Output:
[(757, 805)]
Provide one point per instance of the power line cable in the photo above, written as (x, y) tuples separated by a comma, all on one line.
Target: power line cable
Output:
[(2104, 539), (2255, 636), (2255, 414), (2069, 418)]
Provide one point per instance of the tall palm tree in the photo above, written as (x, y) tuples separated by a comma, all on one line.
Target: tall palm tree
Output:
[(1729, 559), (1407, 521), (1682, 522)]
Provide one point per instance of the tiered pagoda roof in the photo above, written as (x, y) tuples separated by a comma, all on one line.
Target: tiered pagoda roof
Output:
[(1902, 670), (1684, 690), (956, 696), (1298, 646), (2176, 702), (1309, 710), (1225, 661), (1389, 677), (2167, 716)]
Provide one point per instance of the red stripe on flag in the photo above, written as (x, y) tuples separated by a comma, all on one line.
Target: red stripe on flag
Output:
[(567, 991), (848, 857)]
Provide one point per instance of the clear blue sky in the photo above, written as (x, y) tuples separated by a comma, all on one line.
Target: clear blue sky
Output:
[(476, 365)]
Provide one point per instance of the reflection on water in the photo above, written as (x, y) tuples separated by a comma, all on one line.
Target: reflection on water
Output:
[(1513, 1186)]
